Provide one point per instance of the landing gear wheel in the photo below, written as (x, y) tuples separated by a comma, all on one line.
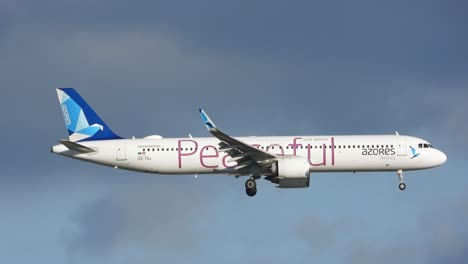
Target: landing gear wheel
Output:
[(251, 192), (251, 187), (402, 186), (250, 184)]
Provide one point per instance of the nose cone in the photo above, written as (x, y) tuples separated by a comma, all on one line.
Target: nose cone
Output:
[(441, 158)]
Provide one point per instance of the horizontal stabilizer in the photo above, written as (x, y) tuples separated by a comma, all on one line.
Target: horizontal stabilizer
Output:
[(76, 147)]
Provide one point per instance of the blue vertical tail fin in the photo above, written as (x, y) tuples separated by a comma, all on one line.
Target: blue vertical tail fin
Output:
[(82, 122)]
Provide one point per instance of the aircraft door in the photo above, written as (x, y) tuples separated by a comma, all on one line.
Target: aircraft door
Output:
[(121, 154), (401, 145)]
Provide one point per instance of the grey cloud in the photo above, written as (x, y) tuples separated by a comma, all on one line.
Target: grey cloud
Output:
[(440, 237), (400, 36), (321, 234), (257, 67), (446, 233), (152, 215), (436, 109), (367, 252)]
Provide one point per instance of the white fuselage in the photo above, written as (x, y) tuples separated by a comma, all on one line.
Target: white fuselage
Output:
[(202, 155)]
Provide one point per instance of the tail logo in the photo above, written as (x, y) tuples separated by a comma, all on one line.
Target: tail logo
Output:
[(75, 119), (66, 116)]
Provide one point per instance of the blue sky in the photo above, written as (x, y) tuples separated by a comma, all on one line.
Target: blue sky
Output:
[(258, 68)]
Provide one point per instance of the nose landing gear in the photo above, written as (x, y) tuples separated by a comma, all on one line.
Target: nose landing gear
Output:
[(402, 185)]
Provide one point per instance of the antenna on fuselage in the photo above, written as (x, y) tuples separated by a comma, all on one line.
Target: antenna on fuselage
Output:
[(396, 132), (190, 135)]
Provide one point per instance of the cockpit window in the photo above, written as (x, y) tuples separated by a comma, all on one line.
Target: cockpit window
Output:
[(425, 145)]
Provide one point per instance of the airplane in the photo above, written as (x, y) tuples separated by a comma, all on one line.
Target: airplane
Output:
[(286, 161)]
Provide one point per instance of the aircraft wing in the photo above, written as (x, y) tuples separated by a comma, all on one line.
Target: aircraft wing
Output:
[(240, 152)]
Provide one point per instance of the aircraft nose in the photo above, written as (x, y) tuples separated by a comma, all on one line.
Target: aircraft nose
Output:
[(441, 157)]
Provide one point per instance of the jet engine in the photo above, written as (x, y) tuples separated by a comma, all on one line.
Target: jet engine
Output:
[(290, 172)]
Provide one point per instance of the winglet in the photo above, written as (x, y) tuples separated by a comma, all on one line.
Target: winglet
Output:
[(206, 120)]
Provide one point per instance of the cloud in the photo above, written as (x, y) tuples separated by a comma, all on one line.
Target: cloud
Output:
[(321, 234), (433, 109), (259, 68), (152, 215), (375, 38), (446, 235), (439, 237)]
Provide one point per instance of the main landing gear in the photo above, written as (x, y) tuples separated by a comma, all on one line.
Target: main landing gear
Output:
[(251, 187), (402, 185)]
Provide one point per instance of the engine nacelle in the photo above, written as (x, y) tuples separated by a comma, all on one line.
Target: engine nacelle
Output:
[(291, 172)]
